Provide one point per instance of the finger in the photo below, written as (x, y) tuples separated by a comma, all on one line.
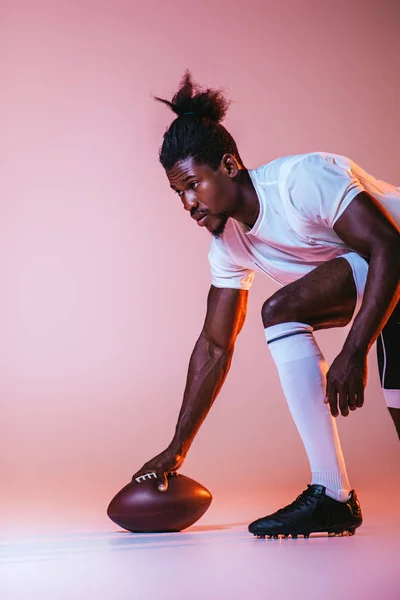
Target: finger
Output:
[(331, 394), (343, 402), (162, 481), (352, 398), (360, 398)]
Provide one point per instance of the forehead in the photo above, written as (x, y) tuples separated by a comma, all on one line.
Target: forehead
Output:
[(185, 169)]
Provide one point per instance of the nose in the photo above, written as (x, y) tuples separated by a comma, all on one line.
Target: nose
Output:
[(190, 202)]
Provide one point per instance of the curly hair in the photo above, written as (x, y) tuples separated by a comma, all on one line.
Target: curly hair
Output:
[(197, 131)]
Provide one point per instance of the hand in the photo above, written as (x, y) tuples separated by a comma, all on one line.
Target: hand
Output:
[(346, 380), (165, 463)]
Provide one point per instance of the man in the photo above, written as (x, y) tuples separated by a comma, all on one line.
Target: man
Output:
[(328, 232)]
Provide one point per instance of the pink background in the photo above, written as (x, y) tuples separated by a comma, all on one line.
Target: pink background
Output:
[(104, 278)]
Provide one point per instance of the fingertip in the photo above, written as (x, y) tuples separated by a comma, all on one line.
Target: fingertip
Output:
[(162, 487)]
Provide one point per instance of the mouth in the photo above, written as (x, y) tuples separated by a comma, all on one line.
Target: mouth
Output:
[(200, 218), (201, 222)]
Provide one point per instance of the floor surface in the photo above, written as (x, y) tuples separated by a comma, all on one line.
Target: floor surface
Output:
[(209, 561)]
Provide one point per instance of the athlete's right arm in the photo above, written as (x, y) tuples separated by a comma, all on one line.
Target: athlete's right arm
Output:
[(208, 367)]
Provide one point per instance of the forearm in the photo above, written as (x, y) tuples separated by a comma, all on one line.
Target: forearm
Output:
[(382, 292), (208, 368)]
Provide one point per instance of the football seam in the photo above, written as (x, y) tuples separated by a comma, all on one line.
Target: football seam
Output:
[(157, 513)]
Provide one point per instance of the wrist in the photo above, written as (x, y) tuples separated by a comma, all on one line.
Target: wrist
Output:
[(355, 348), (177, 448)]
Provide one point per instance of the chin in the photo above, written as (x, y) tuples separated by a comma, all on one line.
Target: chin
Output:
[(219, 230)]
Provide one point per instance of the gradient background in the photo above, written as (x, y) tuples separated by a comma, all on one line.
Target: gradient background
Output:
[(103, 276)]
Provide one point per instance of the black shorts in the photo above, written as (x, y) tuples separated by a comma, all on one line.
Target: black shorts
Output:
[(388, 350)]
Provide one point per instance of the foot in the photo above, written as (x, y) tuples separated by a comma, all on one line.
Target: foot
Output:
[(313, 511)]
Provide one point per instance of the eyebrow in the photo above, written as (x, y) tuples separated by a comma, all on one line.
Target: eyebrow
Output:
[(184, 181)]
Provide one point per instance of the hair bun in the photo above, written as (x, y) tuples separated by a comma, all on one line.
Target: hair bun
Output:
[(190, 99)]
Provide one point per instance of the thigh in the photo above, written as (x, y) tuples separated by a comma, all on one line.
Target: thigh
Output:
[(326, 297)]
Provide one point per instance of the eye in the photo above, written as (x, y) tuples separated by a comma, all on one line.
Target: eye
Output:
[(192, 185)]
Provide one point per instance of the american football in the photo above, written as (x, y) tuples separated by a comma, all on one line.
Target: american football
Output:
[(142, 508)]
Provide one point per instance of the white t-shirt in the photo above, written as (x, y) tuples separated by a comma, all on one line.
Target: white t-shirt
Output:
[(301, 196)]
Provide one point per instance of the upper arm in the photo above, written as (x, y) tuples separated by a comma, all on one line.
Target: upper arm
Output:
[(365, 225), (226, 313)]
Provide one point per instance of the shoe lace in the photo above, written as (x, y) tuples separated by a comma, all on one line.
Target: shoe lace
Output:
[(302, 499)]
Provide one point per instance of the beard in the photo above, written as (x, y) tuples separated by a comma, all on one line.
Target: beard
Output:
[(223, 216)]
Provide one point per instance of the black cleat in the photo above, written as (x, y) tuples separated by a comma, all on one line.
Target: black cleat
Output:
[(311, 512)]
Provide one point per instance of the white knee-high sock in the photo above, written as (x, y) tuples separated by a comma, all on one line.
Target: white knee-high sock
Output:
[(302, 371)]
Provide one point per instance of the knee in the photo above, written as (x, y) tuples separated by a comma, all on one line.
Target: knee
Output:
[(279, 308)]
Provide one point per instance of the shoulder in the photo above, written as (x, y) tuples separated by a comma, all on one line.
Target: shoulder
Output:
[(227, 250), (316, 175), (317, 164), (319, 185), (283, 168), (217, 247), (269, 172), (225, 270)]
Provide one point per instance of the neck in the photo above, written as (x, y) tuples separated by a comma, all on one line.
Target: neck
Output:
[(248, 205)]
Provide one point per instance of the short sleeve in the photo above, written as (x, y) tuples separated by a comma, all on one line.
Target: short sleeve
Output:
[(224, 273), (321, 186)]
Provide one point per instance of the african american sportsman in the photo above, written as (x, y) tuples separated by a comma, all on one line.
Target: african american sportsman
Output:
[(328, 233)]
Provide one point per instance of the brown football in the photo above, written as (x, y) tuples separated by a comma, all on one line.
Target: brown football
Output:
[(142, 508)]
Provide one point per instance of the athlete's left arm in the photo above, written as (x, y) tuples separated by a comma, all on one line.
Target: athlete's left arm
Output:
[(367, 228)]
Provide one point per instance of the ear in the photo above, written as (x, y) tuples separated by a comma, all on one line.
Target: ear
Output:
[(230, 165)]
